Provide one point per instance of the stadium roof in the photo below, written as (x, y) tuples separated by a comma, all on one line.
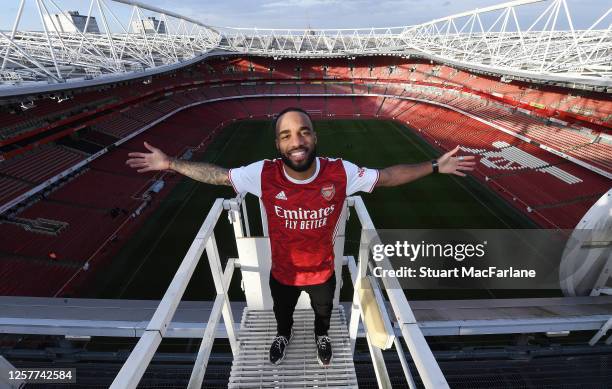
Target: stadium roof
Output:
[(123, 39)]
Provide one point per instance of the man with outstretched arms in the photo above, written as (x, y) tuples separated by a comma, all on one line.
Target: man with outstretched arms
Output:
[(303, 197)]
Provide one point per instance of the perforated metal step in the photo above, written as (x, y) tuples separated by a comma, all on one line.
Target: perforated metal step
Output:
[(299, 369)]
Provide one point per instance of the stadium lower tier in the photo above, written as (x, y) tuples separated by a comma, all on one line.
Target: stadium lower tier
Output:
[(95, 208), (94, 214)]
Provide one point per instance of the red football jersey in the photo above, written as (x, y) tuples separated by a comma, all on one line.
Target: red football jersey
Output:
[(303, 214)]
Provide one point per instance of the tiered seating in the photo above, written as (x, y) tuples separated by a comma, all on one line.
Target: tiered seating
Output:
[(117, 125), (394, 90), (338, 88), (310, 104), (284, 68), (25, 277), (246, 90), (390, 105), (278, 104), (189, 97), (540, 97), (229, 91), (587, 106), (483, 84), (339, 106), (562, 139), (400, 109), (257, 106), (143, 114), (11, 188), (419, 72), (360, 89), (47, 111), (260, 67), (598, 153), (518, 167), (99, 138), (40, 164), (166, 106), (573, 188), (311, 68), (366, 105), (86, 202), (338, 69), (213, 92), (306, 89), (263, 89), (234, 109), (377, 89), (102, 187), (362, 67), (285, 88), (87, 229)]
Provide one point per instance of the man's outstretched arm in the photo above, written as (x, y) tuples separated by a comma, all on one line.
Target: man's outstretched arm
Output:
[(447, 164), (158, 160)]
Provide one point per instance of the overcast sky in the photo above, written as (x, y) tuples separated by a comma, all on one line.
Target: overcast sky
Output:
[(311, 13)]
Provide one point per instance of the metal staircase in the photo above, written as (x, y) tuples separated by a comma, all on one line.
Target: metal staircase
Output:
[(300, 369), (250, 346)]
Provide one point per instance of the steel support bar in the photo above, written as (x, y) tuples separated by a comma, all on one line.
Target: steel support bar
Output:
[(380, 368), (130, 374), (602, 332), (199, 369), (428, 368)]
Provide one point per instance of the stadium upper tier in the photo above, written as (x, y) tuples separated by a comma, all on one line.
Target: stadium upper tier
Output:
[(530, 40)]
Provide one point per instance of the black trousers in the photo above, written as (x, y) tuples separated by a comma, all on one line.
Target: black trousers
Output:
[(285, 297)]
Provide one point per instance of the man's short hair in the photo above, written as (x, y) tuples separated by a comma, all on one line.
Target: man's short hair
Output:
[(290, 109)]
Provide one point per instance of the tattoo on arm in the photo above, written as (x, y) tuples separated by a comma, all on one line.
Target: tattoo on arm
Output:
[(201, 171), (403, 174)]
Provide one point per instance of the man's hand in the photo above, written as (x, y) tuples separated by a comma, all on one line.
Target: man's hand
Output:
[(403, 174), (199, 171), (449, 164), (144, 162)]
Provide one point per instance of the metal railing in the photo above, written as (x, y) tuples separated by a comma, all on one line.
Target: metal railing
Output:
[(427, 366), (133, 369)]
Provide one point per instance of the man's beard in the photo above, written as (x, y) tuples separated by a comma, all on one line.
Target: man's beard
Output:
[(305, 165)]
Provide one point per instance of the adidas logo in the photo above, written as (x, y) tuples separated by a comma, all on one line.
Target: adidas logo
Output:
[(281, 195)]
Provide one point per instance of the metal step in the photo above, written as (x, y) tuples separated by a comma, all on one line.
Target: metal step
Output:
[(300, 369)]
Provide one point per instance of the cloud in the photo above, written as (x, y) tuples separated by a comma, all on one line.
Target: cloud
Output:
[(351, 14), (299, 3)]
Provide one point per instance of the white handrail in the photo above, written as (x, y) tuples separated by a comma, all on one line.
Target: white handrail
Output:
[(426, 364), (134, 367)]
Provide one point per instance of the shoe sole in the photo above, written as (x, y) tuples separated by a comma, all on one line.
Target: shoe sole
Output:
[(323, 364), (283, 357)]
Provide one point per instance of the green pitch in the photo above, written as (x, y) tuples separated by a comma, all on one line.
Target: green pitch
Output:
[(147, 263)]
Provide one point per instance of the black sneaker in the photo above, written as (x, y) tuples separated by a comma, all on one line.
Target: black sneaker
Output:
[(324, 350), (278, 347)]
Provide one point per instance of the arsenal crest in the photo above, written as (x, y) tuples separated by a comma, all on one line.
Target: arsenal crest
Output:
[(328, 192)]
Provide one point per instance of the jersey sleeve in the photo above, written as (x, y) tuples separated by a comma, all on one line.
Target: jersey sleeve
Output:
[(247, 178), (359, 179)]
